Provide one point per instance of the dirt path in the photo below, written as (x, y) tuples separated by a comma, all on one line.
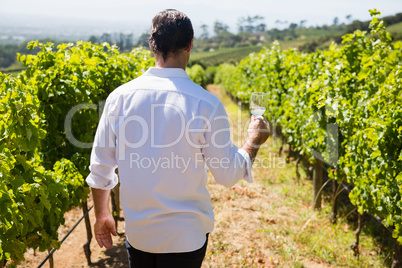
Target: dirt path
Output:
[(71, 253)]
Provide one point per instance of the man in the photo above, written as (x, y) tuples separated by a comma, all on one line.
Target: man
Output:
[(162, 131)]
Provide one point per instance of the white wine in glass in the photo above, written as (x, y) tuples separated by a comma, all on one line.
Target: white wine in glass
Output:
[(257, 103)]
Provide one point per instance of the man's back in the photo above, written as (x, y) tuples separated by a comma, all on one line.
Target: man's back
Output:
[(160, 120)]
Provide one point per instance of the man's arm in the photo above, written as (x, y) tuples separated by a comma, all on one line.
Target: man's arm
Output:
[(103, 178), (104, 222), (228, 163)]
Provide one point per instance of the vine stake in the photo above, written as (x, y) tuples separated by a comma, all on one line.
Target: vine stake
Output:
[(355, 245), (397, 262), (87, 248), (51, 260), (334, 211), (317, 184)]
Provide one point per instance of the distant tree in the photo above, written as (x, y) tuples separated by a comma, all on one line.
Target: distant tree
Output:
[(275, 34), (93, 39), (205, 33), (356, 24), (8, 52), (143, 40), (389, 20), (293, 26), (124, 42), (8, 55), (121, 42), (227, 39), (364, 25), (279, 22), (302, 22), (336, 21), (251, 24), (220, 27), (129, 41), (244, 24), (106, 37), (260, 28), (349, 18)]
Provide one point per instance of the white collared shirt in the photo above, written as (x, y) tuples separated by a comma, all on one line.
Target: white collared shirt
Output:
[(162, 131)]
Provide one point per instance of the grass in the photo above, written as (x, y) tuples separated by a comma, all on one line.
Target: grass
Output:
[(294, 44), (395, 28), (317, 33), (14, 74), (14, 69), (270, 223)]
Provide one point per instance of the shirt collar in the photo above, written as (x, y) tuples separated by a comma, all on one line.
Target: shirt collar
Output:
[(166, 72)]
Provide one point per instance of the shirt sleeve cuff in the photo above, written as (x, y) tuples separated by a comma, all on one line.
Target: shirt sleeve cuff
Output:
[(247, 176), (100, 183)]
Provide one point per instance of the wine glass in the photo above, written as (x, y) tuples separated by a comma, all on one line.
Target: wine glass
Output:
[(257, 103)]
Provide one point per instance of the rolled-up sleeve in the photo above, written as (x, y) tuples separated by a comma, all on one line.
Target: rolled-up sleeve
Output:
[(103, 157), (227, 163)]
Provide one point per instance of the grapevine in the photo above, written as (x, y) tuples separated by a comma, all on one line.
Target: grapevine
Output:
[(41, 172), (342, 106)]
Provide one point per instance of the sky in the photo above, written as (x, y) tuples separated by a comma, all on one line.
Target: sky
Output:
[(135, 16)]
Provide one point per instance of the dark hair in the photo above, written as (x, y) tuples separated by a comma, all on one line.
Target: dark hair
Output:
[(171, 32)]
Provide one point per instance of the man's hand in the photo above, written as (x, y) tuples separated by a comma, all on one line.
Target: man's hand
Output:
[(104, 222), (104, 227), (258, 133)]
